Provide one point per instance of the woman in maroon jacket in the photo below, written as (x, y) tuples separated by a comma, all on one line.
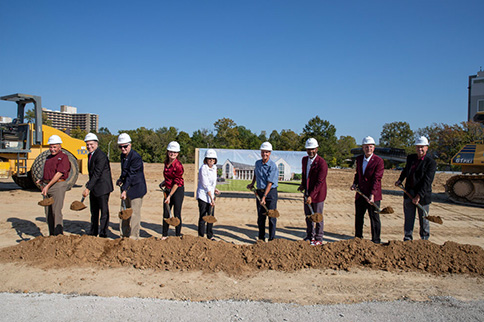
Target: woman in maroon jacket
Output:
[(173, 174)]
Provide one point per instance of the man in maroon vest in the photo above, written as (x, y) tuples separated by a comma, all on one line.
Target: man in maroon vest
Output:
[(369, 171), (313, 184)]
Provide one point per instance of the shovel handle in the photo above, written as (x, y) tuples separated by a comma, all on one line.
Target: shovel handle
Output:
[(309, 205), (82, 199), (258, 199), (410, 196), (368, 199)]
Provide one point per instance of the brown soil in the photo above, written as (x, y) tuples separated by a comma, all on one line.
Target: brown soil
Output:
[(193, 254)]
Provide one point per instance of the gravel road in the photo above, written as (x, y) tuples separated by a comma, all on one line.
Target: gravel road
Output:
[(58, 307)]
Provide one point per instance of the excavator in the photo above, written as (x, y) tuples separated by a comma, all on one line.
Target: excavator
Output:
[(24, 148), (468, 187)]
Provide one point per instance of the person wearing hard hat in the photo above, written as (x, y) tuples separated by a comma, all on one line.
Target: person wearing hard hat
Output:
[(99, 186), (313, 184), (369, 172), (206, 191), (266, 175), (418, 174), (174, 183), (133, 186), (56, 172)]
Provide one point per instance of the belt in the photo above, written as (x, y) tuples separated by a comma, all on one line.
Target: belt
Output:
[(47, 181)]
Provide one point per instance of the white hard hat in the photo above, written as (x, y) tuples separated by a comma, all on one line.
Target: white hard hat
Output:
[(91, 137), (422, 141), (54, 139), (173, 146), (266, 146), (311, 143), (124, 138), (368, 140), (211, 154)]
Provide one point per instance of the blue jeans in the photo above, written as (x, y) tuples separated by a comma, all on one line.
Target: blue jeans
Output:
[(409, 210)]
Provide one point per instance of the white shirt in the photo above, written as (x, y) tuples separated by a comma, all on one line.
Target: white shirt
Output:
[(207, 180), (310, 162), (365, 162)]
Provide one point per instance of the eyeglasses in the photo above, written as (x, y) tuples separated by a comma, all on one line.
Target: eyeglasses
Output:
[(124, 146)]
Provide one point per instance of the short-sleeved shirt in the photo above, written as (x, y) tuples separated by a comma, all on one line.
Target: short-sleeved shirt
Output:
[(265, 173), (174, 174), (56, 163)]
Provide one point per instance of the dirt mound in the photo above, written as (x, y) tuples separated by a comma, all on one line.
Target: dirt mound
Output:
[(193, 253)]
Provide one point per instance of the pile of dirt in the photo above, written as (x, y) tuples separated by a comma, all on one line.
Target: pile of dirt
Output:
[(194, 253)]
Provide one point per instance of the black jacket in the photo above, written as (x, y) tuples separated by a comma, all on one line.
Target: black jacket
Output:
[(100, 179), (422, 178), (132, 175)]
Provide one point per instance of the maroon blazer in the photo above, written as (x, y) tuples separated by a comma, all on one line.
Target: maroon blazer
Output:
[(370, 182), (315, 185)]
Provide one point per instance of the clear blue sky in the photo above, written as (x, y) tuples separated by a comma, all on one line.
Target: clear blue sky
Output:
[(265, 64)]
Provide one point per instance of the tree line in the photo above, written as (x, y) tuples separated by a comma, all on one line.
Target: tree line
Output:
[(445, 140)]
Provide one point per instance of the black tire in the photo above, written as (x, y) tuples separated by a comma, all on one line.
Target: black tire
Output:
[(24, 182), (37, 169)]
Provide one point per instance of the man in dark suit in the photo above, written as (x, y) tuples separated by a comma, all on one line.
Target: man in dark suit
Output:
[(369, 172), (133, 186), (419, 173), (99, 186), (313, 184)]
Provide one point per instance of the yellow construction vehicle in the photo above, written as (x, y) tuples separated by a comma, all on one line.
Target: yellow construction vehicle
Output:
[(24, 148), (468, 188)]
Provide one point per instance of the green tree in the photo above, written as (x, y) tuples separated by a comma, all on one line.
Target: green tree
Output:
[(187, 150), (289, 141), (397, 135), (77, 133), (227, 134), (325, 133), (30, 117), (203, 139), (343, 152), (275, 139), (248, 140)]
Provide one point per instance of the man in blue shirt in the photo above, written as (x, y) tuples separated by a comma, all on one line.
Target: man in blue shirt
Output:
[(266, 175)]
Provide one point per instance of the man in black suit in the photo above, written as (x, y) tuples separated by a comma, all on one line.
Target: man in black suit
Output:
[(419, 173), (99, 186)]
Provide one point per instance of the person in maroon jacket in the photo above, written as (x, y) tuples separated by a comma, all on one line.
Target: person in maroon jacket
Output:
[(369, 171), (56, 172), (313, 184)]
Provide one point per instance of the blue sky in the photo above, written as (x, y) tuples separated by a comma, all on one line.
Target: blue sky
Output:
[(265, 64)]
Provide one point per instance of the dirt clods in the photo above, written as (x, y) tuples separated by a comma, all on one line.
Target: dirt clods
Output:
[(195, 253)]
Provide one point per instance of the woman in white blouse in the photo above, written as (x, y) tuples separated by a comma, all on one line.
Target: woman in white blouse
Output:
[(207, 180)]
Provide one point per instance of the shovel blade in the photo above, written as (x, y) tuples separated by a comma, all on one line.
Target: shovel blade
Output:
[(209, 219), (173, 221), (435, 219), (387, 210), (77, 206), (273, 213), (46, 202), (316, 217)]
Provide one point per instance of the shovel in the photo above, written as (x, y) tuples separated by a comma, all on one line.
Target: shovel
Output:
[(173, 221), (273, 213), (78, 205), (314, 217), (125, 213), (435, 219), (211, 218), (386, 210), (46, 201)]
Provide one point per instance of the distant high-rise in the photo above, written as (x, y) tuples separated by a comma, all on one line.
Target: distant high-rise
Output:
[(68, 119), (476, 97)]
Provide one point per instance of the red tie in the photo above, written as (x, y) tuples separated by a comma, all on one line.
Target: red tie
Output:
[(89, 158)]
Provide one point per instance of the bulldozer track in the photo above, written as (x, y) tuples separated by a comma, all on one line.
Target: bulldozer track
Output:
[(467, 191)]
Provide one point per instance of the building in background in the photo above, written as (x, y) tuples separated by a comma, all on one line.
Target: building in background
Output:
[(476, 97), (68, 119)]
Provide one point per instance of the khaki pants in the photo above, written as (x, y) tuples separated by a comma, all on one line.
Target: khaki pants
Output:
[(53, 213), (130, 227)]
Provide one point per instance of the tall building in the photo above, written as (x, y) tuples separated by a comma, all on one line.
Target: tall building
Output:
[(68, 119), (476, 97)]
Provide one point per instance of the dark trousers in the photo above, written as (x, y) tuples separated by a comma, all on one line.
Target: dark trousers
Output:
[(99, 204), (271, 203), (409, 210), (176, 202), (314, 230), (205, 209), (361, 206)]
